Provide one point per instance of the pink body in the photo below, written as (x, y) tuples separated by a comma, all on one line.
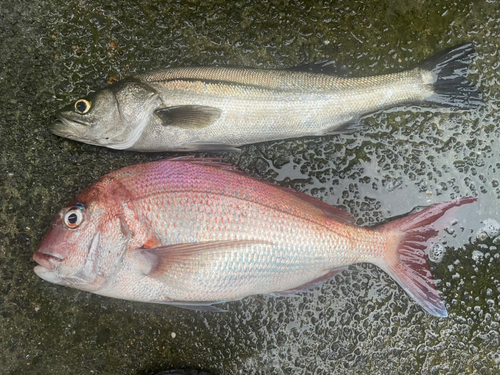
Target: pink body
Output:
[(195, 232)]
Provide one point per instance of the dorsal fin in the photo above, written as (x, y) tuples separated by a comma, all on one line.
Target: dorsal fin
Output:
[(332, 212), (323, 67)]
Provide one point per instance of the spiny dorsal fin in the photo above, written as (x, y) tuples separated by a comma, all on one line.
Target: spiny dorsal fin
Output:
[(330, 211)]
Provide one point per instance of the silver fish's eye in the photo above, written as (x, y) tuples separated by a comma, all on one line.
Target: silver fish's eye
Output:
[(82, 106), (73, 218)]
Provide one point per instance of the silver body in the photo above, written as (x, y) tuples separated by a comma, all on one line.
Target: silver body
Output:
[(263, 105), (252, 106)]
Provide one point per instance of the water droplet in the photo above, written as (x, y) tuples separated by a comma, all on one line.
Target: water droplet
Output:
[(436, 253)]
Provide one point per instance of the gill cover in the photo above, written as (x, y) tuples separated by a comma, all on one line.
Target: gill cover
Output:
[(114, 116)]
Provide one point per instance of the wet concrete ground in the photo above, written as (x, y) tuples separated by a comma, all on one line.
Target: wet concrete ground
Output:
[(53, 52)]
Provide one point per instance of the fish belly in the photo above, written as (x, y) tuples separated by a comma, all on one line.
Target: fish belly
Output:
[(289, 251)]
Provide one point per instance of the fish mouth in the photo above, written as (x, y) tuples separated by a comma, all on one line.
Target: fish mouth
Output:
[(47, 261), (64, 127), (62, 130)]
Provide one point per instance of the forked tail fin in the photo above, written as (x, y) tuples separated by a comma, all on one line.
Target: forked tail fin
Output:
[(406, 262), (448, 69)]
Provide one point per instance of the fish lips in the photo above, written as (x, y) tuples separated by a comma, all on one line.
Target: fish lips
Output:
[(68, 128), (62, 130), (46, 261), (47, 266), (72, 129)]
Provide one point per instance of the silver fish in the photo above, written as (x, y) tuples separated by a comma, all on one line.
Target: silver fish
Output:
[(220, 108)]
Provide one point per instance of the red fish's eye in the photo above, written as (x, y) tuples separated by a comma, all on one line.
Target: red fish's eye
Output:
[(73, 218)]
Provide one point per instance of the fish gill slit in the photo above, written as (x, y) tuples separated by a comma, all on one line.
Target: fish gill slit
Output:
[(137, 131)]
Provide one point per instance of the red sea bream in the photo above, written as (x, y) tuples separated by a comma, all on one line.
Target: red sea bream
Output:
[(196, 232)]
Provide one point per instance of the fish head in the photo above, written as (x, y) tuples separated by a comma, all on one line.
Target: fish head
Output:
[(112, 117), (86, 241), (68, 254)]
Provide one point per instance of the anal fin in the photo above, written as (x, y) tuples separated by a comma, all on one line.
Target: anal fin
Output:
[(193, 305), (348, 127), (310, 284), (257, 298)]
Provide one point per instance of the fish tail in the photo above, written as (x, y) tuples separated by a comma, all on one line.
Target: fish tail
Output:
[(405, 261), (447, 75)]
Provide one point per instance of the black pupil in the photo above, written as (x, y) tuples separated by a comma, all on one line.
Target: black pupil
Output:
[(81, 106), (72, 218)]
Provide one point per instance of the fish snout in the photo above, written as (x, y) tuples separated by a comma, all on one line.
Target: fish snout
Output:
[(62, 129), (69, 125), (47, 261)]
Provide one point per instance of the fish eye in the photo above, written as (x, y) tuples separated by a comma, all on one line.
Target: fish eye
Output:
[(73, 218), (82, 106)]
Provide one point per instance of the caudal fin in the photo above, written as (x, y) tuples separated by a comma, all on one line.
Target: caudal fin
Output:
[(448, 69), (406, 262)]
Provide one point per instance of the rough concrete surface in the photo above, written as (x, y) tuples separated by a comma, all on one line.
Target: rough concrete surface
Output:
[(361, 322)]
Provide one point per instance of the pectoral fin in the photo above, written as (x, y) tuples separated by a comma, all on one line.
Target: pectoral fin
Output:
[(127, 233), (159, 261), (207, 147), (188, 116)]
